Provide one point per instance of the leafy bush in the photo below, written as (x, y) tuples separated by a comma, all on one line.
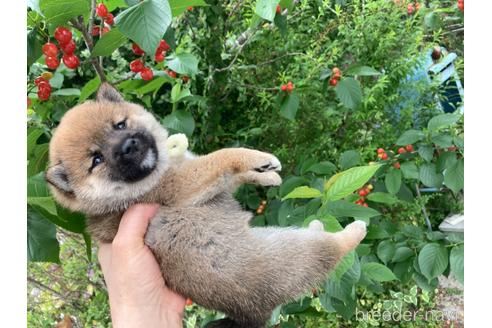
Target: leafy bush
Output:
[(318, 84)]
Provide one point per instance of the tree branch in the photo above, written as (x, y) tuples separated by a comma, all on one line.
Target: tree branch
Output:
[(89, 42)]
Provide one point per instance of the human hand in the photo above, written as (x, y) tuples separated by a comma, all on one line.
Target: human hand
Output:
[(138, 296)]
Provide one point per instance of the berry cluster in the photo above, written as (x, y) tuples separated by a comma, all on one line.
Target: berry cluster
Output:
[(107, 19), (137, 66), (287, 87), (363, 192), (335, 76), (44, 87), (261, 208), (461, 5), (67, 45), (411, 8), (402, 150)]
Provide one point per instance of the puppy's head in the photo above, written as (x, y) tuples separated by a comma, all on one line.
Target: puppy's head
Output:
[(105, 154)]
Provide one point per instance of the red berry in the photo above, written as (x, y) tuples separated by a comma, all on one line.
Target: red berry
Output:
[(105, 30), (461, 6), (71, 61), (363, 192), (380, 151), (163, 46), (401, 150), (278, 10), (63, 35), (190, 8), (109, 19), (44, 85), (136, 66), (137, 50), (44, 94), (337, 73), (146, 74), (452, 148), (396, 165), (359, 201), (290, 86), (189, 302), (283, 87), (171, 73), (384, 156), (410, 8), (185, 79), (40, 79), (365, 204), (159, 57), (68, 48), (96, 30), (101, 10), (409, 148), (52, 62), (50, 49), (333, 81)]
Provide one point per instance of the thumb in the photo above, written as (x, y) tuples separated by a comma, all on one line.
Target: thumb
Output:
[(133, 225)]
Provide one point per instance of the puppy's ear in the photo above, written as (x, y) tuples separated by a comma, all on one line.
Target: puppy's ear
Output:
[(57, 176), (107, 92)]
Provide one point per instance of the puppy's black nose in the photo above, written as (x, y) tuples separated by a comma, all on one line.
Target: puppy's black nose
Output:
[(130, 147)]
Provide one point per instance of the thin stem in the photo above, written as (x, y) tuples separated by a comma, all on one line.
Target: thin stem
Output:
[(424, 211)]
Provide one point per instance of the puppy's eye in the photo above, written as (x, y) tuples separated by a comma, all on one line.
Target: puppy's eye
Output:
[(96, 160), (121, 125)]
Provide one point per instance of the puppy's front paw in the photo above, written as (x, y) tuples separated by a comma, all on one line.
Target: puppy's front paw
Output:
[(271, 164), (266, 179)]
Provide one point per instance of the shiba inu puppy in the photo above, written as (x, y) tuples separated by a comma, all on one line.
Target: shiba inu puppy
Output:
[(108, 154)]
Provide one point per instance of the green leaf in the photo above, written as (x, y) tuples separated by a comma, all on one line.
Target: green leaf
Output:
[(34, 47), (342, 266), (349, 92), (343, 208), (322, 168), (281, 23), (89, 88), (153, 86), (330, 223), (392, 180), (180, 121), (442, 140), (266, 9), (433, 260), (429, 176), (59, 12), (426, 152), (454, 177), (402, 254), (177, 93), (377, 272), (386, 250), (34, 5), (36, 186), (108, 43), (42, 244), (68, 92), (432, 20), (32, 138), (382, 197), (46, 203), (457, 263), (446, 160), (349, 158), (179, 6), (303, 192), (290, 183), (410, 137), (184, 63), (442, 121), (289, 106), (409, 170), (349, 181), (145, 23), (361, 71), (39, 159)]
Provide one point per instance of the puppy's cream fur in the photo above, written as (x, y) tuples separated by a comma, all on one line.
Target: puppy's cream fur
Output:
[(200, 236)]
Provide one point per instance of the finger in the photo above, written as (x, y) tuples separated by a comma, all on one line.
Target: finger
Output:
[(104, 257), (134, 224)]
